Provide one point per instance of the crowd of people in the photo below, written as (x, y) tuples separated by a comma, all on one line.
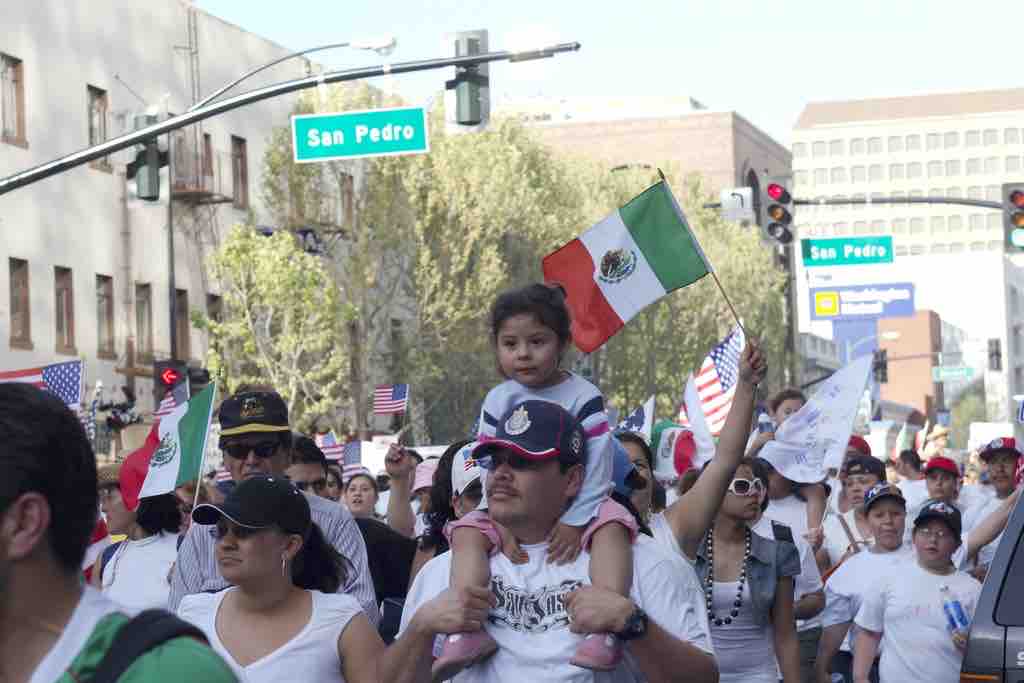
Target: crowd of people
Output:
[(540, 547)]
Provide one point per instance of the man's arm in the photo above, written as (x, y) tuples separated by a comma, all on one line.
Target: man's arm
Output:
[(810, 605), (832, 638), (691, 515), (989, 528), (400, 466), (187, 575), (865, 649)]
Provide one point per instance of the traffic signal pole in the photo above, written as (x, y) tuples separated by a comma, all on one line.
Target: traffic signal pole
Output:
[(52, 168), (887, 200)]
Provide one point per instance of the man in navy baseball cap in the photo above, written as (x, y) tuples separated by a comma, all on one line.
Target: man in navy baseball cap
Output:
[(536, 431)]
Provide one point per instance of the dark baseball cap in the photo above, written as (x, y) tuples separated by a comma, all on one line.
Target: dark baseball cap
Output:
[(937, 509), (1006, 444), (261, 502), (880, 491), (536, 430), (253, 412), (864, 464)]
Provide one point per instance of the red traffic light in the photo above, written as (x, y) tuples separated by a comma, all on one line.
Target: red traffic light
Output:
[(777, 192), (170, 377), (1017, 199)]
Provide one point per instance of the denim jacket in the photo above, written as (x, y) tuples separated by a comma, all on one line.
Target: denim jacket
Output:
[(770, 560)]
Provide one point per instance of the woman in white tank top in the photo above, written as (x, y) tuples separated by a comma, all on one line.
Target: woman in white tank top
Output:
[(281, 620)]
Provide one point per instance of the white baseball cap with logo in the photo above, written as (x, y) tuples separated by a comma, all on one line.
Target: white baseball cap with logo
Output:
[(465, 469)]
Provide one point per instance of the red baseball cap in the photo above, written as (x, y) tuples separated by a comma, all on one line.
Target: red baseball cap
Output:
[(858, 444), (1006, 444), (941, 462)]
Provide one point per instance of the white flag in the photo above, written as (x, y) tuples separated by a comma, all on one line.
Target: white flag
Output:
[(814, 438)]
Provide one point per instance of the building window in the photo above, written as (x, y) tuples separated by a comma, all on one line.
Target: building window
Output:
[(98, 106), (21, 321), (820, 176), (835, 148), (875, 173), (935, 192), (895, 144), (818, 149), (976, 221), (12, 101), (240, 172), (957, 248), (896, 172), (934, 169), (214, 307), (916, 226), (940, 249), (860, 227), (858, 174), (915, 193), (799, 149), (992, 165), (932, 141), (994, 221), (841, 228), (899, 226), (914, 169), (181, 326), (877, 227), (913, 143), (874, 145), (990, 136), (857, 146), (64, 310), (1011, 136), (954, 192), (207, 155), (144, 322), (838, 175), (899, 195), (955, 223), (993, 192), (973, 166), (104, 315), (1012, 164), (917, 249), (839, 207), (861, 197), (800, 177), (972, 138), (938, 225), (899, 250), (953, 167), (951, 140), (975, 192)]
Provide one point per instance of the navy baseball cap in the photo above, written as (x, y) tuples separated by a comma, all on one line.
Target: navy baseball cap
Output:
[(937, 509), (536, 430), (883, 490)]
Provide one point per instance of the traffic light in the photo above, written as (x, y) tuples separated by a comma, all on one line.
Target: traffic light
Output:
[(167, 374), (880, 366), (995, 355), (471, 84), (775, 212), (1013, 216)]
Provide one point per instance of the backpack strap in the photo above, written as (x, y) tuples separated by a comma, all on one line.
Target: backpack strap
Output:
[(854, 545), (108, 555), (782, 532), (147, 630)]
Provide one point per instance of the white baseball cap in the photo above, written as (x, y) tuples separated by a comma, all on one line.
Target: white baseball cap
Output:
[(465, 469)]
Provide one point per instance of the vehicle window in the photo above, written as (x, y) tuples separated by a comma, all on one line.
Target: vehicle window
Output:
[(1011, 596)]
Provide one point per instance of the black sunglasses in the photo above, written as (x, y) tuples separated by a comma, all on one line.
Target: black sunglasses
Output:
[(316, 484), (239, 532), (513, 460), (240, 451)]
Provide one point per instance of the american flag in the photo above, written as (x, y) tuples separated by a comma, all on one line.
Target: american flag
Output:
[(328, 443), (221, 475), (716, 381), (174, 397), (353, 453), (62, 379), (349, 471), (389, 399)]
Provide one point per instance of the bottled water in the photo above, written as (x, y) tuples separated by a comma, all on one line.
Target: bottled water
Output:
[(765, 423), (956, 618)]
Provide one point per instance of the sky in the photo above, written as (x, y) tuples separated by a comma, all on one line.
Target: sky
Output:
[(763, 59)]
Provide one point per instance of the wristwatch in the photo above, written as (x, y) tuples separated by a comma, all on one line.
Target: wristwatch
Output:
[(635, 627)]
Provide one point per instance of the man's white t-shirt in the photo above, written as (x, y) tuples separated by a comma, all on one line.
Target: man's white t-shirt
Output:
[(790, 511), (973, 517), (915, 492), (90, 610), (531, 625), (907, 610), (137, 574)]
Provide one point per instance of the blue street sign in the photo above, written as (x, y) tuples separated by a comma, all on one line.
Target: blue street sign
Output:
[(858, 302)]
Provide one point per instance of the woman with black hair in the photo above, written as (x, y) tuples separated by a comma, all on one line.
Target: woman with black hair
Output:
[(281, 619), (133, 572)]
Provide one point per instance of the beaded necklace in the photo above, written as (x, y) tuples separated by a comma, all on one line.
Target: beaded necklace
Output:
[(709, 583)]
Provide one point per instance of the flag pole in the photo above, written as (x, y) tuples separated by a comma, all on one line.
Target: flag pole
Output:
[(714, 276)]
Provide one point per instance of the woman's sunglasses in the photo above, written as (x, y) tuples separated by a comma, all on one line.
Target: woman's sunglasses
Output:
[(746, 487)]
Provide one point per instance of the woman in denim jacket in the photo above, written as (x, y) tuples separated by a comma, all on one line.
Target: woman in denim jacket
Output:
[(748, 582)]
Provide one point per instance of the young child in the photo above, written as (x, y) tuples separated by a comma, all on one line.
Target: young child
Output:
[(530, 331)]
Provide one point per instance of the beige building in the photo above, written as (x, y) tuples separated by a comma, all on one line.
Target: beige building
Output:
[(720, 145), (959, 145)]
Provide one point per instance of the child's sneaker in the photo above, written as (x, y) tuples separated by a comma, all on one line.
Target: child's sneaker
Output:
[(461, 651), (598, 652)]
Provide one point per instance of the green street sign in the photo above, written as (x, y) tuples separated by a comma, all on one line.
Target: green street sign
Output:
[(945, 373), (355, 134), (847, 251)]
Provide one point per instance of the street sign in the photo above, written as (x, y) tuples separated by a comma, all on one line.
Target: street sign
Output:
[(737, 204), (946, 373), (859, 302), (847, 251), (355, 134)]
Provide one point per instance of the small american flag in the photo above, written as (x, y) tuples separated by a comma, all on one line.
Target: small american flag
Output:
[(174, 397), (716, 381), (328, 443), (353, 453), (389, 399), (221, 475), (349, 471), (62, 379)]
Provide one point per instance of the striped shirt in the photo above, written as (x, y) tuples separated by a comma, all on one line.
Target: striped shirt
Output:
[(582, 400), (196, 570)]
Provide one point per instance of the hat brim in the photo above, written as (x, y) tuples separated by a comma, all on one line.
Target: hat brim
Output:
[(924, 517), (488, 447), (988, 455), (208, 513), (254, 428), (894, 496)]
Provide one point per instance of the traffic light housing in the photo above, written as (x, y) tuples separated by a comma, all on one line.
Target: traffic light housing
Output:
[(880, 366), (166, 375), (995, 355), (471, 83), (1013, 216), (775, 212)]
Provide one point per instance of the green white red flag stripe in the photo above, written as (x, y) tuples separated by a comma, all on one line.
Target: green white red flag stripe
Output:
[(624, 263), (173, 451)]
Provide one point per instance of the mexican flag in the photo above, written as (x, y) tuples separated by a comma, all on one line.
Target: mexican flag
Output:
[(622, 264), (173, 452)]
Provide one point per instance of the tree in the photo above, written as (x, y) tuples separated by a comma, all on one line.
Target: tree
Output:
[(968, 407), (281, 323)]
